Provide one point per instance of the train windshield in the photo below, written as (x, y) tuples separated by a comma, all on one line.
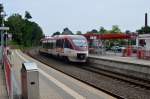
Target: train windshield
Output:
[(80, 42)]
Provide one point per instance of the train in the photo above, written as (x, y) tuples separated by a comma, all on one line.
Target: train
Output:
[(73, 48)]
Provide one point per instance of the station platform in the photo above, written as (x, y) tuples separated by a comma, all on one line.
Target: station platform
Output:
[(3, 92), (129, 66), (54, 84), (132, 60)]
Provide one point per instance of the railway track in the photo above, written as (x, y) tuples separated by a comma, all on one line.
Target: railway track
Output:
[(117, 85), (131, 80)]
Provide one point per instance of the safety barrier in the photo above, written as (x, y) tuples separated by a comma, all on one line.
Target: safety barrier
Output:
[(143, 54), (147, 54), (7, 69), (127, 52)]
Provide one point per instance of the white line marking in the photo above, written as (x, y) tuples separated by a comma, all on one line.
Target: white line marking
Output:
[(24, 59), (58, 83), (61, 85)]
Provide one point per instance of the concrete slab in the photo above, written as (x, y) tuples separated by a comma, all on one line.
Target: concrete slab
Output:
[(3, 92), (132, 60), (56, 85), (130, 66)]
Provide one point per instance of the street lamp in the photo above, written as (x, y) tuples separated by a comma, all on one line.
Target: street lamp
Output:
[(2, 15), (2, 29)]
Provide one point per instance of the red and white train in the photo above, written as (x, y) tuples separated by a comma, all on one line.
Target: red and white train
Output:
[(72, 47)]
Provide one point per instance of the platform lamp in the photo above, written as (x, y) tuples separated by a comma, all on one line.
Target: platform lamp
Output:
[(2, 29), (1, 18)]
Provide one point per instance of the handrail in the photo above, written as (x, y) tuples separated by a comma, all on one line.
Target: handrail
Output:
[(7, 70)]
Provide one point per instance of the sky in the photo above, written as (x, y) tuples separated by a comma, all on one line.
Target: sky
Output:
[(82, 15)]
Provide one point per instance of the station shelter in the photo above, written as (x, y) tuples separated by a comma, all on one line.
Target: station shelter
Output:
[(98, 41)]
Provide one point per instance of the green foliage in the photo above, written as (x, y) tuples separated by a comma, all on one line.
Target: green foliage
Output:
[(24, 32), (144, 30), (1, 7), (115, 29), (102, 30), (127, 31), (56, 33), (67, 31), (94, 31), (27, 15), (16, 23), (1, 10), (79, 33)]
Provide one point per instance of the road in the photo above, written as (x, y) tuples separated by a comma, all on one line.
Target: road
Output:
[(52, 83)]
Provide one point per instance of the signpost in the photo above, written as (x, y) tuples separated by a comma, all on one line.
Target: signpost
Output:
[(2, 41), (4, 28)]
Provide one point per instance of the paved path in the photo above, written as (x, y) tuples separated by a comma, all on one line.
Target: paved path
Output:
[(56, 85), (3, 92)]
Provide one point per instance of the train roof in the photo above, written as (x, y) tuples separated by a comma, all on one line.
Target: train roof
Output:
[(69, 36), (63, 36)]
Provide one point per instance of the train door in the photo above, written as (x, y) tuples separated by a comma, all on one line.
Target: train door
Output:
[(62, 47), (59, 46), (54, 47), (67, 47)]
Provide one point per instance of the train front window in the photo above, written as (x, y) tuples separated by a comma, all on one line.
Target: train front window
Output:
[(80, 42)]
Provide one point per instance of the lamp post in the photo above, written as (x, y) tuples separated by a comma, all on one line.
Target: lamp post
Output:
[(2, 29)]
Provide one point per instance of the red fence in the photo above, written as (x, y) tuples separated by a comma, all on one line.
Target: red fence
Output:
[(7, 67), (143, 54), (147, 54)]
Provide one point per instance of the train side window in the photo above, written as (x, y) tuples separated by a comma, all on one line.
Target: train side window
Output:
[(62, 43), (47, 45), (43, 45), (58, 43), (54, 44)]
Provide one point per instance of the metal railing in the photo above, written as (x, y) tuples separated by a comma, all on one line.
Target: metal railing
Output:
[(7, 70)]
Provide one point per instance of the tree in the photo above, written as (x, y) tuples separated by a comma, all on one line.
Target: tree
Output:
[(144, 30), (115, 29), (127, 31), (66, 31), (102, 30), (78, 32), (1, 10), (24, 32), (27, 15), (94, 31), (56, 33), (16, 23)]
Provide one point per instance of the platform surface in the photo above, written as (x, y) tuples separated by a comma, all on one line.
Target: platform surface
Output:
[(133, 60), (54, 84), (3, 92)]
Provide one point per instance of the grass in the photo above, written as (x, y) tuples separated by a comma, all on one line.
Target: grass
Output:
[(14, 45)]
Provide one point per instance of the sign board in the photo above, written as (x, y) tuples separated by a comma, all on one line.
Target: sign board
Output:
[(93, 37), (4, 28), (144, 36)]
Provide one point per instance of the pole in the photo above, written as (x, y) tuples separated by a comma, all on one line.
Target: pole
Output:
[(2, 42)]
